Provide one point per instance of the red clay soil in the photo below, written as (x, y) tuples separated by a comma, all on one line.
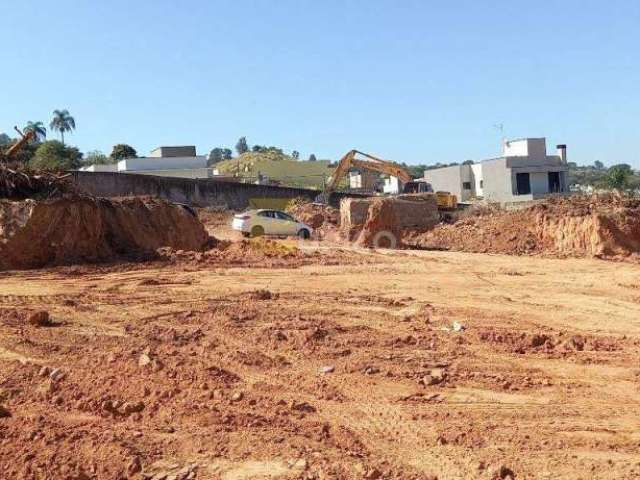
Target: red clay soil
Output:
[(260, 253), (380, 228), (314, 214), (597, 226), (79, 229)]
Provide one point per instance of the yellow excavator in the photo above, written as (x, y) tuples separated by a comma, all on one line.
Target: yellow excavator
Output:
[(13, 150), (375, 164)]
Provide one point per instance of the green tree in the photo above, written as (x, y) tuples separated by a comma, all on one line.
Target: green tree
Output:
[(5, 139), (258, 148), (241, 146), (468, 162), (38, 129), (295, 154), (122, 151), (227, 154), (312, 158), (62, 122), (96, 157), (55, 155), (618, 177), (215, 156), (598, 165)]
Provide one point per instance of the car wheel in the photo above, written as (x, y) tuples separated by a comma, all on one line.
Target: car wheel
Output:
[(304, 234), (257, 231)]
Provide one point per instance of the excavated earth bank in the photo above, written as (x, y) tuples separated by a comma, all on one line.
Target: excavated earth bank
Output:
[(603, 225), (79, 229)]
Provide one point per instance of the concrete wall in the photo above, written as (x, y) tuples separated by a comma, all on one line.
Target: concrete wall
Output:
[(197, 192), (476, 170), (526, 147), (167, 163), (111, 167), (186, 151), (497, 180), (448, 179)]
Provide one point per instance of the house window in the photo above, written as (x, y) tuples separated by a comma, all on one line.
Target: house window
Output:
[(523, 184), (466, 185)]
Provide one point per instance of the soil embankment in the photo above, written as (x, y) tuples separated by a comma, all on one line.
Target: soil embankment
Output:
[(79, 229), (598, 226)]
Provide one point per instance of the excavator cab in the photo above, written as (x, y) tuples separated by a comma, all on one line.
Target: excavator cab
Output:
[(417, 186)]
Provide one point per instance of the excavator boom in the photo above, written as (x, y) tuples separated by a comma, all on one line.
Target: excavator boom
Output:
[(15, 148), (368, 163)]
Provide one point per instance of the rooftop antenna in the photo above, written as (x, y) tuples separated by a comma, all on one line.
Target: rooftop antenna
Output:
[(500, 128)]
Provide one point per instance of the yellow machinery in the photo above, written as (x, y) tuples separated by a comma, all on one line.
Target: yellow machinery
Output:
[(13, 150), (446, 201)]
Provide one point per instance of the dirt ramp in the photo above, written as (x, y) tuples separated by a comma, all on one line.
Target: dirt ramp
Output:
[(79, 229)]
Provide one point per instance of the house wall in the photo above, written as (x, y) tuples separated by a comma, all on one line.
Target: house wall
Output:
[(498, 183), (111, 167), (164, 163), (186, 151), (476, 171), (447, 179)]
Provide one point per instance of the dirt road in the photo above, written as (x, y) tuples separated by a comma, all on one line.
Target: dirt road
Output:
[(324, 371)]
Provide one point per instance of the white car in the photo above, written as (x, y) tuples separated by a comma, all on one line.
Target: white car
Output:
[(254, 223)]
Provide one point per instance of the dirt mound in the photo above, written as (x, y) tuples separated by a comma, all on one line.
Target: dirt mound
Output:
[(78, 229), (381, 227), (604, 225), (315, 215), (19, 184)]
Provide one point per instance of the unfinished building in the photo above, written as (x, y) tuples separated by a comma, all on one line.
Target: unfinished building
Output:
[(524, 172)]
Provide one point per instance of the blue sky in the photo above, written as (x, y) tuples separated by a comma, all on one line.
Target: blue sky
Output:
[(414, 81)]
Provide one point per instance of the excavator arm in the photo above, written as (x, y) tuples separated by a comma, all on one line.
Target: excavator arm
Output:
[(368, 163), (15, 148)]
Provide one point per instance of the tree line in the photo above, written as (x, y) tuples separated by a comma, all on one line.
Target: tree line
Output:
[(219, 154)]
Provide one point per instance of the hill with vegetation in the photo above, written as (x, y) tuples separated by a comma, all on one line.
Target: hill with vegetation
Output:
[(278, 166)]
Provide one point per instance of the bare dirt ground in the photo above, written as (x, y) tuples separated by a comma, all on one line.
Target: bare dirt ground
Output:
[(352, 370)]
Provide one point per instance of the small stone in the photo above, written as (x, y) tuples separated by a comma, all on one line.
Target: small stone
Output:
[(458, 327), (40, 319), (134, 466), (144, 360), (4, 413), (373, 474), (371, 370), (428, 380), (327, 369), (300, 464), (44, 371), (132, 407), (57, 374), (236, 397)]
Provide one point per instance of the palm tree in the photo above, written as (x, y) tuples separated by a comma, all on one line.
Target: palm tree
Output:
[(62, 122), (38, 129)]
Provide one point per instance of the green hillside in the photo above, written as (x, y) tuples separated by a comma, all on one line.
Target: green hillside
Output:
[(278, 167)]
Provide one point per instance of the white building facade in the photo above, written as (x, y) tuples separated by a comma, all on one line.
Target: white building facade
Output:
[(163, 161), (524, 172)]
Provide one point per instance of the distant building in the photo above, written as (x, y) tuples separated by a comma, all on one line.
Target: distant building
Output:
[(363, 179), (392, 185), (180, 161), (523, 172)]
